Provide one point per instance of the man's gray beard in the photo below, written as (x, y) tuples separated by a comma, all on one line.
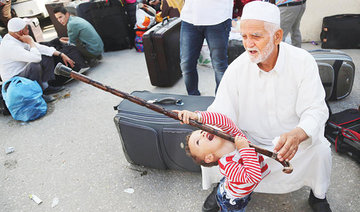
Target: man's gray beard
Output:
[(265, 54)]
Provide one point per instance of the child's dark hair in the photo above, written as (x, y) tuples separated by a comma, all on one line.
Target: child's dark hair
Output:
[(196, 159)]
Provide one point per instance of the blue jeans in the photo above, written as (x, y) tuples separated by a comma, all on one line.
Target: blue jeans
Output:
[(191, 41), (235, 205)]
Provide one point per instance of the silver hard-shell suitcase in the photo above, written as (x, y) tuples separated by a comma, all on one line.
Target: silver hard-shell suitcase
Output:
[(337, 72)]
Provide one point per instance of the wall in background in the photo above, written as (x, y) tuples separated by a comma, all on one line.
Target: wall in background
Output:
[(316, 10)]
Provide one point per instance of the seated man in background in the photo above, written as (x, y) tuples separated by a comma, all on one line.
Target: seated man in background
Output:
[(21, 56), (82, 34)]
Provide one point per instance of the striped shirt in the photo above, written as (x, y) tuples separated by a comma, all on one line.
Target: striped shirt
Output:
[(244, 168)]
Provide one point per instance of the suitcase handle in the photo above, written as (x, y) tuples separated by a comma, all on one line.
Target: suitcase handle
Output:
[(167, 101), (163, 101), (325, 50), (163, 21)]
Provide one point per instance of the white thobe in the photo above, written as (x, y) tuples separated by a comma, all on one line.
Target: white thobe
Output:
[(265, 105), (16, 55), (206, 12)]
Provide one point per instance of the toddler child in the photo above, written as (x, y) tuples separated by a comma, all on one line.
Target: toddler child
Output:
[(241, 166)]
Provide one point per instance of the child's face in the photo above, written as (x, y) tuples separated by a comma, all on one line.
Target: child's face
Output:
[(202, 143)]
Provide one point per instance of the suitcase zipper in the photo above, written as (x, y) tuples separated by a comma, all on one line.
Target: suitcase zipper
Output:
[(156, 120)]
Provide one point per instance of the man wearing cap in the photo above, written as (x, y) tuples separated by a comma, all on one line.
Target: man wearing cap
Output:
[(21, 56), (204, 19), (273, 92), (291, 12)]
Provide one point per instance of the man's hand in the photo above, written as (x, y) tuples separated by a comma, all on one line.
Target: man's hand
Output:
[(185, 116), (288, 144), (64, 39), (241, 142), (67, 60), (26, 39)]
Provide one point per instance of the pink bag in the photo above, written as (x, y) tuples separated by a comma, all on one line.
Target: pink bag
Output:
[(130, 1)]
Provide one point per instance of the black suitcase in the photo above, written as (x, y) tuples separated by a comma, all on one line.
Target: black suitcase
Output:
[(235, 49), (341, 32), (152, 139), (337, 72), (110, 21), (343, 130), (162, 52)]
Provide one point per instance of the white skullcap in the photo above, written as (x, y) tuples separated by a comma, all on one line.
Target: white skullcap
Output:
[(16, 24), (263, 11)]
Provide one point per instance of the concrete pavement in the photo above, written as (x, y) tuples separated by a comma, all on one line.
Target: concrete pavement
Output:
[(74, 153)]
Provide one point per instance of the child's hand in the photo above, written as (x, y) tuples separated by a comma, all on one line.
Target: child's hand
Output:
[(241, 142), (185, 116)]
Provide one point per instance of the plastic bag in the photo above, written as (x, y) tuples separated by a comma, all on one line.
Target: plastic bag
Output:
[(204, 57), (23, 97), (145, 16)]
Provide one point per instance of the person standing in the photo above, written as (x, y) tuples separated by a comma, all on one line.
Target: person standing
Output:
[(273, 92), (291, 12), (204, 19)]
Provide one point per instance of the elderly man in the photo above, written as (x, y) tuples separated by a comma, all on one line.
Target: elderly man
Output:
[(273, 92), (82, 34), (21, 56)]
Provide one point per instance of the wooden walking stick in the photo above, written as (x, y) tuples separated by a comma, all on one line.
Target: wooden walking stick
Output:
[(63, 70)]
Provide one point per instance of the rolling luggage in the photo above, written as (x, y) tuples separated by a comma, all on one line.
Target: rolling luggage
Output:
[(111, 22), (341, 32), (152, 139), (343, 130), (162, 52), (337, 72)]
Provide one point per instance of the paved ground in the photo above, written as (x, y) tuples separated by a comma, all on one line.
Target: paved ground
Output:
[(74, 154)]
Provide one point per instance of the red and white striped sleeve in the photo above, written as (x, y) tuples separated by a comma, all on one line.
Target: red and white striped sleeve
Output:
[(221, 121), (247, 170)]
